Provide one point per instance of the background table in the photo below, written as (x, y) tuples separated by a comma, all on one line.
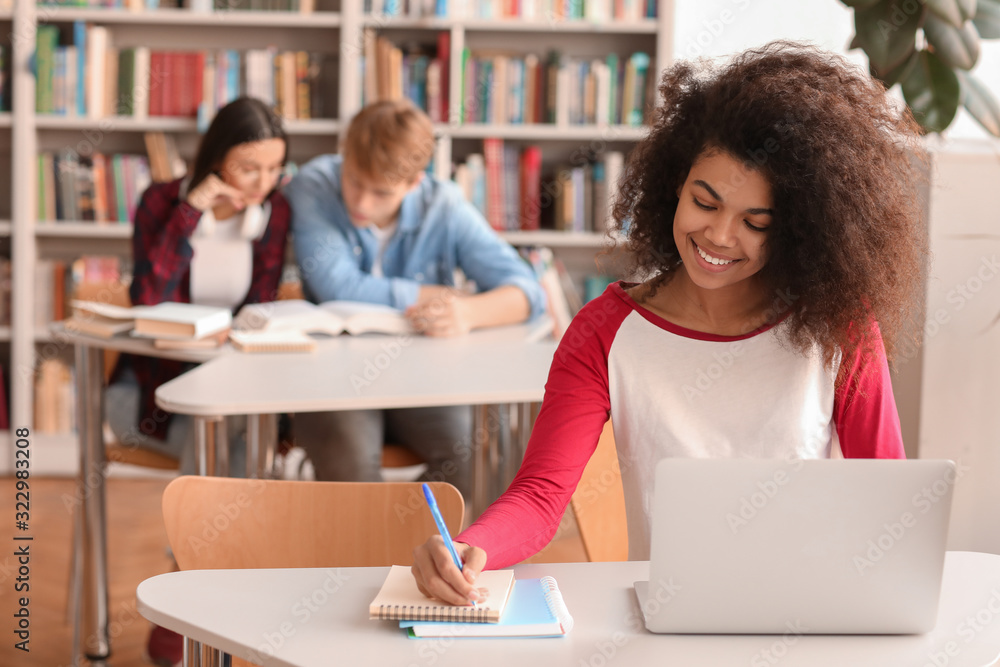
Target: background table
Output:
[(314, 617), (92, 617), (499, 366)]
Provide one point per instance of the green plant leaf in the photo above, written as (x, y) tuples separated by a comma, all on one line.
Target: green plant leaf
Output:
[(957, 47), (897, 74), (947, 10), (987, 19), (932, 92), (887, 33), (859, 4), (980, 103)]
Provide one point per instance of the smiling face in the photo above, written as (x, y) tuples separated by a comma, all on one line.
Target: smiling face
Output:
[(721, 221)]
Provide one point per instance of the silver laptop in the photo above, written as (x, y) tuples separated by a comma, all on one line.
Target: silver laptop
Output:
[(802, 547)]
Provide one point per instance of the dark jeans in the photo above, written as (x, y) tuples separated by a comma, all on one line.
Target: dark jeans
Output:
[(347, 445)]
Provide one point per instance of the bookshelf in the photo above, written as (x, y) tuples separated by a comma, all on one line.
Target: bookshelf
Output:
[(336, 29)]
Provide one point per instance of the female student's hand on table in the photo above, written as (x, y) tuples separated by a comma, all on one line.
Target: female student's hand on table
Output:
[(438, 577)]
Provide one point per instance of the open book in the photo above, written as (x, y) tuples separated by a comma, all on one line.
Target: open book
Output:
[(536, 609), (399, 599), (330, 317)]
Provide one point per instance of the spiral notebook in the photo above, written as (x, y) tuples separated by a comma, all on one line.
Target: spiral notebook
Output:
[(399, 599), (536, 609)]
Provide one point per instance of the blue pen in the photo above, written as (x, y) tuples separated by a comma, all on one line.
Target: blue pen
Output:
[(443, 529)]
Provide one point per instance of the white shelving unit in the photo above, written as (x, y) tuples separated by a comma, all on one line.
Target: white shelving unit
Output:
[(335, 28)]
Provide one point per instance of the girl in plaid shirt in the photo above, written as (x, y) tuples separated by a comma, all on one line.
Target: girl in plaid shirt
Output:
[(228, 213)]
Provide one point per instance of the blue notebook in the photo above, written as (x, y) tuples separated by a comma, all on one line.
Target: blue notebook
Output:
[(535, 609)]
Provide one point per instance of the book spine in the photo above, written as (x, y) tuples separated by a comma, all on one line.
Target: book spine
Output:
[(531, 188), (493, 155), (81, 74)]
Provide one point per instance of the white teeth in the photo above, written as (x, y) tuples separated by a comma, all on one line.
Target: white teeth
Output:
[(713, 260)]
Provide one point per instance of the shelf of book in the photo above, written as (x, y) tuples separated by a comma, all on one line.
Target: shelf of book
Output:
[(644, 27), (334, 34), (545, 132), (84, 229), (557, 239), (165, 124), (183, 17)]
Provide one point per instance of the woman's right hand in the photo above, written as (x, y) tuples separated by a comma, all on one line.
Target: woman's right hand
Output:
[(214, 191), (438, 577)]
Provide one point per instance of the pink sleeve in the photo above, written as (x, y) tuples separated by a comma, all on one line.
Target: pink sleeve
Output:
[(864, 409), (574, 410)]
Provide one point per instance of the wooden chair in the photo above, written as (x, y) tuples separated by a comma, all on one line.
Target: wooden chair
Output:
[(599, 504), (249, 523), (215, 523)]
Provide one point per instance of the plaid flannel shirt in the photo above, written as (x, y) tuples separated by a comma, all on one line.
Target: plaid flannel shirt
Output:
[(162, 255)]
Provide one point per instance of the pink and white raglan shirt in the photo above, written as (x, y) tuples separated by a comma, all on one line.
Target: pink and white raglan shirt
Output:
[(671, 391)]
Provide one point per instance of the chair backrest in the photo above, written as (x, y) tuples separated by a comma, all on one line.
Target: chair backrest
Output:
[(215, 522), (599, 503)]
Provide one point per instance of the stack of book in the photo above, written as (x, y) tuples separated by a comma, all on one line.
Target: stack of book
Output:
[(419, 73), (170, 325), (92, 78), (502, 88), (507, 186), (98, 187)]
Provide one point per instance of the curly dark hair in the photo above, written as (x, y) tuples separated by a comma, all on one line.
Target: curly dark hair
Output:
[(847, 240)]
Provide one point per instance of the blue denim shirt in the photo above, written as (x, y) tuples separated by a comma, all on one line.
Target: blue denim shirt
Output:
[(438, 232)]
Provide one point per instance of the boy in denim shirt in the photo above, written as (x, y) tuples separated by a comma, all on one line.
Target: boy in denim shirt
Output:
[(370, 225)]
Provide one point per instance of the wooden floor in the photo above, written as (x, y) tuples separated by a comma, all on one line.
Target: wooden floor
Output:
[(137, 550)]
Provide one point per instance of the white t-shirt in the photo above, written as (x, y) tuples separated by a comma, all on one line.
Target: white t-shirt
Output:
[(383, 235), (222, 264)]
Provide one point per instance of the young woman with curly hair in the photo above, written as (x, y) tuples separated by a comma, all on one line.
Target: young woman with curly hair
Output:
[(773, 215)]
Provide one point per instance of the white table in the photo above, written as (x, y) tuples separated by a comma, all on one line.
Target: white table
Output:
[(499, 366), (92, 618), (319, 617)]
